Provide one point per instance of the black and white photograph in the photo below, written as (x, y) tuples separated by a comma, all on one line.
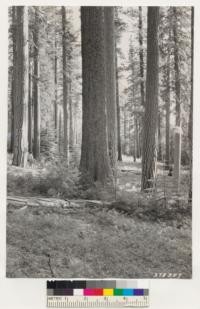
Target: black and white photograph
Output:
[(99, 142)]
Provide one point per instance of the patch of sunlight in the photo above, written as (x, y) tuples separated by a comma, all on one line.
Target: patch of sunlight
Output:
[(129, 159), (132, 189), (128, 185)]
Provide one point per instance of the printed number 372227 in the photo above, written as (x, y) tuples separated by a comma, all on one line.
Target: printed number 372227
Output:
[(167, 275)]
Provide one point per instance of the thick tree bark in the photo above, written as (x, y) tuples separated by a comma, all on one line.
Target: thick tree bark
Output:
[(94, 152), (119, 145), (36, 96), (141, 55), (111, 84), (190, 131), (21, 88), (151, 105), (65, 85)]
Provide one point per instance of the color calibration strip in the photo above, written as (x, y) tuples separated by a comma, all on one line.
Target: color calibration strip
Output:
[(96, 293)]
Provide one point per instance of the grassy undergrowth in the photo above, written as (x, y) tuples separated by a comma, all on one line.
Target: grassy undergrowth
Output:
[(93, 242), (139, 235)]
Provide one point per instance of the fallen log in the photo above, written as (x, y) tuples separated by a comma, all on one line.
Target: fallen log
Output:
[(20, 202)]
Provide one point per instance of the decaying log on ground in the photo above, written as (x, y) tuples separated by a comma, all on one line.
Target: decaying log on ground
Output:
[(20, 202)]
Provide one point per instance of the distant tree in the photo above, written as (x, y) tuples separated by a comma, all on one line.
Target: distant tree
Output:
[(30, 105), (119, 28), (119, 146), (132, 103), (65, 84), (94, 152), (141, 55), (151, 105), (55, 84), (13, 38), (111, 83), (21, 61), (159, 156), (190, 132), (166, 70), (177, 141), (71, 130)]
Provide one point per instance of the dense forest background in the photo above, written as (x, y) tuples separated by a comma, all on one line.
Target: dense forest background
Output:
[(100, 103)]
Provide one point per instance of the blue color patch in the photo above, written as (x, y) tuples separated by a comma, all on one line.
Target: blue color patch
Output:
[(127, 292)]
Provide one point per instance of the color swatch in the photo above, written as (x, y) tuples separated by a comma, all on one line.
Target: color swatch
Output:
[(95, 288)]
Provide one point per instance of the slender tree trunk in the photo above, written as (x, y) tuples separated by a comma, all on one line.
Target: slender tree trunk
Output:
[(71, 131), (190, 131), (177, 70), (151, 105), (30, 111), (135, 139), (60, 133), (159, 138), (13, 79), (36, 96), (125, 129), (119, 146), (94, 152), (167, 115), (139, 138), (21, 88), (141, 54), (177, 139), (142, 83), (56, 90), (65, 85), (111, 84)]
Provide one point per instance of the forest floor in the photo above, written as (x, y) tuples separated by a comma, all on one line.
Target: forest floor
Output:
[(136, 236)]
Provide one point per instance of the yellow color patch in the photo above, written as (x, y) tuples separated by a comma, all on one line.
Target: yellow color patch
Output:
[(107, 292)]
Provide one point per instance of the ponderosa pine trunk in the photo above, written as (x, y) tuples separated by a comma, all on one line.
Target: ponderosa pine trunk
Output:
[(13, 80), (141, 56), (125, 130), (94, 151), (177, 137), (60, 132), (20, 151), (138, 138), (71, 130), (111, 84), (119, 145), (55, 89), (190, 131), (151, 104), (167, 114), (30, 111), (65, 85), (159, 138), (36, 95)]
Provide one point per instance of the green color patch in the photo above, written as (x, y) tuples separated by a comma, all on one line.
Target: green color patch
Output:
[(118, 292)]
